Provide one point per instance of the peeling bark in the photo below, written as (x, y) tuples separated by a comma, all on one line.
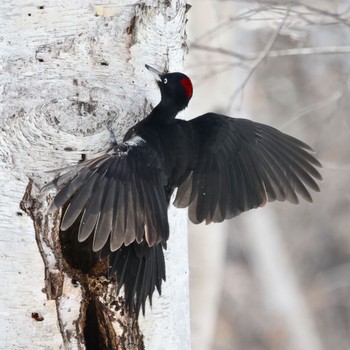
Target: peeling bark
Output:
[(72, 74)]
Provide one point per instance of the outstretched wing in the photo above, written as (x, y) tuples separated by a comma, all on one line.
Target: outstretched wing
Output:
[(120, 197), (241, 165)]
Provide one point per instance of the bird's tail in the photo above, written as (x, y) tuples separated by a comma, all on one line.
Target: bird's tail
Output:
[(140, 269)]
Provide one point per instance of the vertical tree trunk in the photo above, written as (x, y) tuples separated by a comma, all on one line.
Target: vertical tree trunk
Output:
[(69, 73)]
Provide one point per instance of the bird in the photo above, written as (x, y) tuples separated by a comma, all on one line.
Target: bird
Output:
[(219, 167)]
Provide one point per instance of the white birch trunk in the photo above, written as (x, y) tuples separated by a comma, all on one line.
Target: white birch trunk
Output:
[(69, 69)]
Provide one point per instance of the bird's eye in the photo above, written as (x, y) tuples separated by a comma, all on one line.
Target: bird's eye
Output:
[(165, 80)]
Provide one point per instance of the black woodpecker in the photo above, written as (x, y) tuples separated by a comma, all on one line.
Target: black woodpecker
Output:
[(220, 166)]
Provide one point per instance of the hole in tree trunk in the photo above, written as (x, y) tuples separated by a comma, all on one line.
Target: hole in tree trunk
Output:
[(92, 335), (78, 255), (98, 330)]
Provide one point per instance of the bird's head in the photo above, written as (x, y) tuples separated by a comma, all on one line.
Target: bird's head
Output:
[(175, 88)]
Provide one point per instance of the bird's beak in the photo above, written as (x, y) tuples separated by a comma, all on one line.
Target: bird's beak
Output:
[(155, 72)]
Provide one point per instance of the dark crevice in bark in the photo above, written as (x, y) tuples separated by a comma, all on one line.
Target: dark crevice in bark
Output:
[(78, 255), (92, 334), (64, 256)]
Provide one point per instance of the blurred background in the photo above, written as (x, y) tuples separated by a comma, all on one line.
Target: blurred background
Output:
[(276, 277)]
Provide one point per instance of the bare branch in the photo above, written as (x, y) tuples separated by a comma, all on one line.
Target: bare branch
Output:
[(314, 107), (220, 50), (325, 50), (336, 16), (262, 55), (247, 15)]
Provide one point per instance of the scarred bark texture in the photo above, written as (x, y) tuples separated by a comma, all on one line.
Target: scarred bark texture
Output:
[(70, 72)]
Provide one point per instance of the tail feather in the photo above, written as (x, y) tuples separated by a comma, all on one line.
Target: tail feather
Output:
[(140, 269)]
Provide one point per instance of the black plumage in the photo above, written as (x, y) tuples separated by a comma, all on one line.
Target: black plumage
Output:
[(221, 167)]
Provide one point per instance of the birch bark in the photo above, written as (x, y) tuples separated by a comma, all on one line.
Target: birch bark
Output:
[(70, 71)]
